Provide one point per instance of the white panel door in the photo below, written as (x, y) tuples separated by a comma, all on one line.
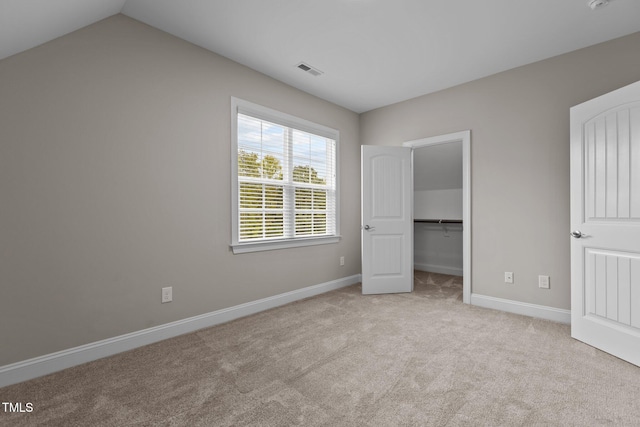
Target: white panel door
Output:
[(605, 223), (387, 220)]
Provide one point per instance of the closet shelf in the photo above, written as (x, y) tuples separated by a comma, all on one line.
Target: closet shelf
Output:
[(439, 221)]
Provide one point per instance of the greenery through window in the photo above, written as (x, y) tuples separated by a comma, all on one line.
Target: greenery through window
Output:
[(286, 181)]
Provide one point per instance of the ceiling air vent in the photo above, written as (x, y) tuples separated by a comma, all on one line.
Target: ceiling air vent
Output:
[(309, 69), (596, 4)]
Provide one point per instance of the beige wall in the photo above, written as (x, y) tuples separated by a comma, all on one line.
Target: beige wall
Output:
[(115, 182), (519, 122)]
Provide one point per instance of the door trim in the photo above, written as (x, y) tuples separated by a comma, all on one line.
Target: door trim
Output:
[(465, 138)]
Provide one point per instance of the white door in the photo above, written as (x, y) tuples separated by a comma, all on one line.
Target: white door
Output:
[(605, 223), (387, 220)]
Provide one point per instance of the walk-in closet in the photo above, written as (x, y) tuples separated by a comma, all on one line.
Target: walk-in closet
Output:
[(438, 208)]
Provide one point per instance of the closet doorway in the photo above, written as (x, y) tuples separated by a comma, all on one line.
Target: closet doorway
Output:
[(442, 205)]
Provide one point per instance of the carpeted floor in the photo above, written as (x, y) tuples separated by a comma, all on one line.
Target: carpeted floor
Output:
[(344, 359)]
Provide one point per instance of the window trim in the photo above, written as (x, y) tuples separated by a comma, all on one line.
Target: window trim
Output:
[(265, 113)]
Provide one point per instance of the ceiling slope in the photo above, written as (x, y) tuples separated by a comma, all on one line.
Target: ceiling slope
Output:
[(28, 23), (377, 52), (372, 53)]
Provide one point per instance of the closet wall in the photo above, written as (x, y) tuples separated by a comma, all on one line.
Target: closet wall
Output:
[(438, 196)]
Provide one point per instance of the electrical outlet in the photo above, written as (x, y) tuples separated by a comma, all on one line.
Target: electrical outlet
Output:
[(167, 294), (543, 282), (341, 260), (508, 277)]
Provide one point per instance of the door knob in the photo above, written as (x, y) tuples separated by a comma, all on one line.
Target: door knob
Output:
[(369, 228), (576, 234)]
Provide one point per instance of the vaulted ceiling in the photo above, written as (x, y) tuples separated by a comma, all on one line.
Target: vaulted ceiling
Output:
[(371, 52)]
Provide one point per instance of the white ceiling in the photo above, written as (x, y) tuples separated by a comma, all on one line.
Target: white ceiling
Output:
[(372, 52), (27, 23)]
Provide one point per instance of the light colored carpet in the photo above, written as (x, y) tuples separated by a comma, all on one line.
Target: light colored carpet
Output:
[(344, 359)]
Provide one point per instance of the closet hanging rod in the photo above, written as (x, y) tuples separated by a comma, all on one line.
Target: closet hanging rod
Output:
[(440, 221)]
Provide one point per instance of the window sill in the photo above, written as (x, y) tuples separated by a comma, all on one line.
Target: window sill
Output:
[(241, 248)]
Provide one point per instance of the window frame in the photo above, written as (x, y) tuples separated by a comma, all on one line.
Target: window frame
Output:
[(288, 120)]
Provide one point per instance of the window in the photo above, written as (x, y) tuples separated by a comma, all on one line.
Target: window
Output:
[(284, 175)]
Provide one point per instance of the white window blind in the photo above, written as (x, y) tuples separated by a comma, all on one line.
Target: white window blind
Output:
[(286, 181)]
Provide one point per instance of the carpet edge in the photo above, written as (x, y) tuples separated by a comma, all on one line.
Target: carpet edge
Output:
[(49, 363)]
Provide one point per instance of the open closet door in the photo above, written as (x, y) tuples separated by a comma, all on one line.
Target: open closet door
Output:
[(605, 223), (387, 220)]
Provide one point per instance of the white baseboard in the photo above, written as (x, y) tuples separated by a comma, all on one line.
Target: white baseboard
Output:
[(523, 308), (47, 364), (438, 269)]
